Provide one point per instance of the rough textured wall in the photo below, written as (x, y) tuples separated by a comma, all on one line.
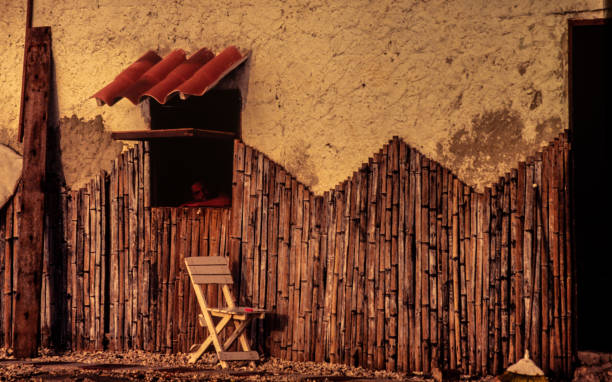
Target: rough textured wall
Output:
[(476, 85)]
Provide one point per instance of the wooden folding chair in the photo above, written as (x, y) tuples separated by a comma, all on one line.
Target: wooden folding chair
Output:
[(215, 270)]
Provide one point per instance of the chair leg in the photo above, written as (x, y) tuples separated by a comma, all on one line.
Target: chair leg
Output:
[(193, 357), (243, 341), (238, 331)]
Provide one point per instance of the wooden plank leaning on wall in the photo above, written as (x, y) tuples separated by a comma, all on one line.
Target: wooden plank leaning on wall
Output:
[(29, 261)]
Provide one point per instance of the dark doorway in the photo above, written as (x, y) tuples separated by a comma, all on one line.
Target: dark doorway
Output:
[(590, 106)]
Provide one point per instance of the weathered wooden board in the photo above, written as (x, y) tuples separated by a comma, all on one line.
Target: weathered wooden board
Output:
[(29, 261)]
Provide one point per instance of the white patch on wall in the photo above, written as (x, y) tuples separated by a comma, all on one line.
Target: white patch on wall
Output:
[(10, 172)]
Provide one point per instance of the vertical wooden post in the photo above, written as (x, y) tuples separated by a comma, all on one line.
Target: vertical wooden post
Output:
[(29, 259)]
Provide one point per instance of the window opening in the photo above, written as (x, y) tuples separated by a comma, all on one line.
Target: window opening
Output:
[(178, 163)]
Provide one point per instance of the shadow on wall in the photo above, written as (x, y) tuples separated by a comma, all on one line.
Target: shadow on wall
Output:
[(55, 185)]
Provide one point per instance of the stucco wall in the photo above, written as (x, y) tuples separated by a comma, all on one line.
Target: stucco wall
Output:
[(476, 85)]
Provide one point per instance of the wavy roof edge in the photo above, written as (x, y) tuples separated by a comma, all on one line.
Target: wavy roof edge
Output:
[(160, 78)]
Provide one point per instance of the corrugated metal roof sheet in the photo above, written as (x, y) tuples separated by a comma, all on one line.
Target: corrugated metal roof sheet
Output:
[(158, 78)]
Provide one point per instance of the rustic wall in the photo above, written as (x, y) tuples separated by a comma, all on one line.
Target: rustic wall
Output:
[(474, 85)]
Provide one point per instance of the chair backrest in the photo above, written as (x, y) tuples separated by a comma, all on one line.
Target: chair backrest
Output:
[(209, 270)]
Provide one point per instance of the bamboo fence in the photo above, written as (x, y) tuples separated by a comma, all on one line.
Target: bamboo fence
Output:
[(404, 267), (151, 304), (400, 267)]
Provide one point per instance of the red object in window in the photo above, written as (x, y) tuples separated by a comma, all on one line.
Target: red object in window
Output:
[(218, 201)]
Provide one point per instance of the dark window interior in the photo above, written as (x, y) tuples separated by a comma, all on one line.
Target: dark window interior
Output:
[(215, 110), (177, 163), (590, 124)]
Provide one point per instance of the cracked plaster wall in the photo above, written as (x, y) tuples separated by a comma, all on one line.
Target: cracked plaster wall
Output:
[(476, 85)]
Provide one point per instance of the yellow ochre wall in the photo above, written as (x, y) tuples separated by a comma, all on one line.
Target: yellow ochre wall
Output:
[(475, 85)]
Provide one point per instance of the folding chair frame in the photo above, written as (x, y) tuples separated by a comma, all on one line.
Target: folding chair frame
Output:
[(240, 316)]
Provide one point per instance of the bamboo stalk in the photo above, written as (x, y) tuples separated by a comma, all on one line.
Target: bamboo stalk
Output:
[(409, 281), (123, 257), (362, 334), (99, 253), (496, 227), (142, 300), (3, 271), (555, 262), (88, 271), (418, 264), (513, 265), (570, 324), (17, 206), (505, 272), (433, 265), (478, 211), (273, 245), (402, 292), (161, 255), (445, 287), (391, 223), (380, 260), (542, 242), (251, 277), (322, 219), (455, 341), (371, 268), (334, 348), (283, 254), (528, 258), (517, 240), (486, 277), (7, 290), (330, 254), (306, 288), (79, 259), (264, 189), (463, 196), (470, 276), (114, 256), (538, 301), (424, 259), (154, 277), (347, 246)]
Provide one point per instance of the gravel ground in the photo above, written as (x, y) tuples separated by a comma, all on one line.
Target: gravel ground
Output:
[(141, 366)]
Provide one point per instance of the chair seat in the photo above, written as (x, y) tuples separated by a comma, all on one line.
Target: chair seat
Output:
[(237, 310)]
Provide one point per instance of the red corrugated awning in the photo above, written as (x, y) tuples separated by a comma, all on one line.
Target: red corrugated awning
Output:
[(158, 78)]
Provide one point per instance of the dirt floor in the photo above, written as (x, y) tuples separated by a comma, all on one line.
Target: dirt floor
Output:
[(141, 366)]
